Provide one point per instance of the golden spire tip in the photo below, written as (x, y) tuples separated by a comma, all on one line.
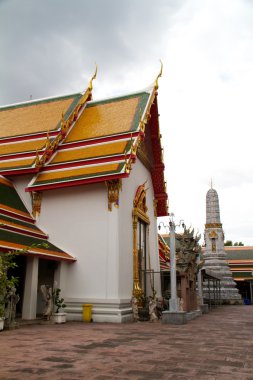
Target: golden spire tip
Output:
[(159, 75), (93, 77)]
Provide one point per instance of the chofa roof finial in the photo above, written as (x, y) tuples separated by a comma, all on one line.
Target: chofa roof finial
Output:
[(93, 77), (159, 75)]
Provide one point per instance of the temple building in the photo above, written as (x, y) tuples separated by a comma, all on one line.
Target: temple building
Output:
[(240, 261), (81, 187), (215, 257)]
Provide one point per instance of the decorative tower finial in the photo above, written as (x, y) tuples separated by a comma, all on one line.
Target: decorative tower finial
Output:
[(159, 75)]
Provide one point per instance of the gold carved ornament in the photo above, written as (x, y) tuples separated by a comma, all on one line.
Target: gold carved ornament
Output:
[(213, 225), (139, 212), (144, 119), (213, 235), (159, 76), (113, 188), (128, 164), (51, 146), (36, 203)]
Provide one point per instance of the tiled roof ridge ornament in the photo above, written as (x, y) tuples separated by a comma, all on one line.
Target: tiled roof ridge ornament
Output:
[(144, 118), (51, 146), (159, 75), (93, 77)]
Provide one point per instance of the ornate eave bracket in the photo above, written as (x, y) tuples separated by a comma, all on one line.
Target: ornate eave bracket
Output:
[(36, 203), (113, 188)]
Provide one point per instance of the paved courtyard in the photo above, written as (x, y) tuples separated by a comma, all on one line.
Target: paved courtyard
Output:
[(218, 345)]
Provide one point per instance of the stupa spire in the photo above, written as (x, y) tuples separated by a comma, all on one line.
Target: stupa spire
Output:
[(215, 258), (212, 207)]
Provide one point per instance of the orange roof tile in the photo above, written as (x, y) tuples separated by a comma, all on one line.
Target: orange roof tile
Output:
[(14, 224), (57, 255), (105, 119), (22, 146), (6, 182), (111, 148), (17, 233), (11, 164), (32, 118), (76, 172), (14, 210)]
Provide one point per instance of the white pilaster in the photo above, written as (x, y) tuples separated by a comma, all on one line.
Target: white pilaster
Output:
[(60, 277), (30, 291), (112, 258)]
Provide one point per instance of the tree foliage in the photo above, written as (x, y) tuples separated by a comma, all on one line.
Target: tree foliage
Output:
[(229, 243), (7, 262)]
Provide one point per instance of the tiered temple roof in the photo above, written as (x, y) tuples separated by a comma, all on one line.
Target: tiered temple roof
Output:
[(72, 140), (18, 231), (240, 260)]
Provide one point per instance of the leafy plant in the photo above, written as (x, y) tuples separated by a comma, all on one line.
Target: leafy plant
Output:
[(6, 282), (58, 301)]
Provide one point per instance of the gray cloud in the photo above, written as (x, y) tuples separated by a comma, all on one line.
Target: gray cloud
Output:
[(47, 46)]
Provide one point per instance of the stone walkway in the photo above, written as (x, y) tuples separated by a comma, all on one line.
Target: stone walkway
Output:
[(218, 345)]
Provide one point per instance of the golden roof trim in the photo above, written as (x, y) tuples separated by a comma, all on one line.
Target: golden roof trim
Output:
[(159, 75), (51, 146)]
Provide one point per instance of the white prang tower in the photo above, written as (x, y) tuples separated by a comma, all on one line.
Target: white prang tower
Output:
[(215, 257)]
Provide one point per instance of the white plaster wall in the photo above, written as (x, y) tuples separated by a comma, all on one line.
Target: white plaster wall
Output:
[(78, 221), (219, 240), (20, 183), (138, 176)]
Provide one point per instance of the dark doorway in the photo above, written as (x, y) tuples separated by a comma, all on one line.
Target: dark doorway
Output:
[(19, 272), (245, 290), (46, 277)]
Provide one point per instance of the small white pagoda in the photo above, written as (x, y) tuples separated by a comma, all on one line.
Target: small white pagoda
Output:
[(215, 257)]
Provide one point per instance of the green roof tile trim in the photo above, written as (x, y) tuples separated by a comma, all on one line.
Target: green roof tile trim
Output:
[(76, 178), (246, 254), (70, 109), (143, 94), (14, 237), (9, 197), (242, 274), (76, 97), (21, 223)]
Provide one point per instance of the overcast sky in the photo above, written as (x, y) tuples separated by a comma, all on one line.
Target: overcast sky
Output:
[(50, 47)]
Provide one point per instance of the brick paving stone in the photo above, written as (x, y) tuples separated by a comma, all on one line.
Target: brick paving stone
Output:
[(215, 346)]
